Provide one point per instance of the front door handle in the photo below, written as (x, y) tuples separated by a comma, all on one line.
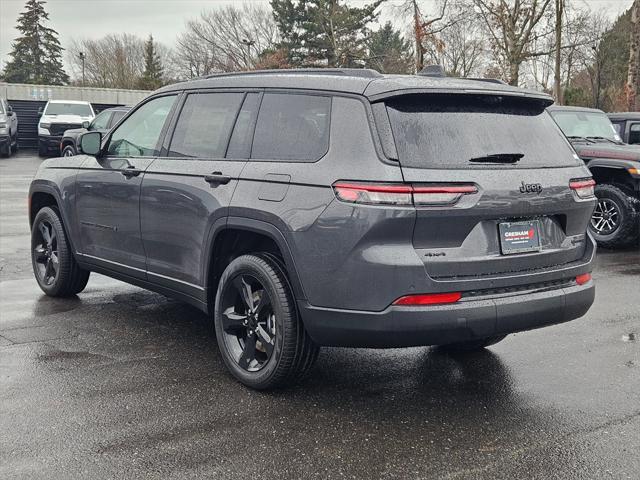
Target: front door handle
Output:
[(130, 171), (217, 178)]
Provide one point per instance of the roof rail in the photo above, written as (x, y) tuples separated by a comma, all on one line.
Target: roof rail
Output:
[(489, 80), (347, 72)]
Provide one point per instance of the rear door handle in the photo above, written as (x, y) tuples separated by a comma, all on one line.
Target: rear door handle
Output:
[(130, 171), (217, 178)]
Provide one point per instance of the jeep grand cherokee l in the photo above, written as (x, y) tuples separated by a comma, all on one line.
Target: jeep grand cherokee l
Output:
[(333, 207)]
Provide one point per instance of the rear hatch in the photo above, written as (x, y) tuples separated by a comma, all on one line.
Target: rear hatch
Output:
[(511, 167)]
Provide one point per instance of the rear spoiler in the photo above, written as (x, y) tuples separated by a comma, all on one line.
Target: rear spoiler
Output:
[(545, 99)]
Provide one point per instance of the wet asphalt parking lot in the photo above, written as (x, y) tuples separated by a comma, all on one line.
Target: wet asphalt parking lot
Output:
[(124, 383)]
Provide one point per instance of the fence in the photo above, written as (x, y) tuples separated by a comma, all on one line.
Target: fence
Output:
[(26, 99)]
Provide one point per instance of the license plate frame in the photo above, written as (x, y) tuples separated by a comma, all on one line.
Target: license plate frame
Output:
[(519, 237)]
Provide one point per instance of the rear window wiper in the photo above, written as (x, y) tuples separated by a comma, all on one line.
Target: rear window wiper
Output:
[(498, 158)]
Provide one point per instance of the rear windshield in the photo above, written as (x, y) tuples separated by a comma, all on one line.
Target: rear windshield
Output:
[(476, 131), (80, 109)]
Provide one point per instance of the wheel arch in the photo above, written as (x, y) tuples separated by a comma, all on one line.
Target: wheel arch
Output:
[(238, 236), (45, 195), (613, 173)]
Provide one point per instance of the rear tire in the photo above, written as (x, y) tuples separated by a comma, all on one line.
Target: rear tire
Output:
[(616, 220), (472, 345), (261, 338), (54, 265), (14, 147), (5, 150)]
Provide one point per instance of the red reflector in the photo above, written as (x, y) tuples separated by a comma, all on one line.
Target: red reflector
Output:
[(577, 184), (429, 299), (582, 279)]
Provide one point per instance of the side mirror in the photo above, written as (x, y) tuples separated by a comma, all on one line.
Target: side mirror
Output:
[(85, 124), (40, 110), (90, 143)]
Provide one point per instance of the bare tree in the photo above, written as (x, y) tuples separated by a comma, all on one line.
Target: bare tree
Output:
[(634, 60), (226, 39), (114, 61), (513, 28), (425, 27), (461, 49)]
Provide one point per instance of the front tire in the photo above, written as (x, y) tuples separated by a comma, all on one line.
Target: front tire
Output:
[(615, 221), (261, 338), (42, 151), (54, 266), (68, 151)]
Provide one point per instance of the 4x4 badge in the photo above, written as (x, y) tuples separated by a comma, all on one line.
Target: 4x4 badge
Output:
[(531, 188)]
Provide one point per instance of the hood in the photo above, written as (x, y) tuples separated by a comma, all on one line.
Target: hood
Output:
[(75, 131), (589, 151), (3, 117), (65, 118)]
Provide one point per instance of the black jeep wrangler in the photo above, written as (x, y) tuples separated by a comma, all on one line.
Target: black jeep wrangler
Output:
[(627, 124), (614, 165)]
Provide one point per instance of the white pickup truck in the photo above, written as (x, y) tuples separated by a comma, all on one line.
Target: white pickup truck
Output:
[(57, 117)]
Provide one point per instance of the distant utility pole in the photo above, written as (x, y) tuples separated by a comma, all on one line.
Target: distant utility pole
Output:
[(634, 58), (557, 84), (82, 56), (249, 43)]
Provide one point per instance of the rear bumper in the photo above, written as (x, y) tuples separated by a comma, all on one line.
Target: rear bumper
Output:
[(442, 324)]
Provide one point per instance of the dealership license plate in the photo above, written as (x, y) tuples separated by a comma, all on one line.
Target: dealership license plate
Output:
[(519, 237)]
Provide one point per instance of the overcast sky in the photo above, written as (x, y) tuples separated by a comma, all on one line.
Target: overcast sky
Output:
[(165, 19)]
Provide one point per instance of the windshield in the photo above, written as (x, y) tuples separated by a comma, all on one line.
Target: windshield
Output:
[(81, 109), (585, 124), (476, 131)]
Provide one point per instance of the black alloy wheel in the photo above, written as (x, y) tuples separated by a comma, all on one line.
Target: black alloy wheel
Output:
[(248, 322), (45, 252)]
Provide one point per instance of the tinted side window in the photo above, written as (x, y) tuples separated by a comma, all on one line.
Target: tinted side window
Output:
[(100, 122), (117, 115), (292, 127), (240, 143), (138, 135), (634, 133), (204, 125)]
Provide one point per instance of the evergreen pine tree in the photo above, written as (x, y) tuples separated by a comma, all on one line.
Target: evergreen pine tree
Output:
[(36, 55), (152, 75), (389, 52), (324, 32)]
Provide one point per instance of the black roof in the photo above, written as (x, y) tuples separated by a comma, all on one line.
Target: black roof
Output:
[(357, 81), (624, 115)]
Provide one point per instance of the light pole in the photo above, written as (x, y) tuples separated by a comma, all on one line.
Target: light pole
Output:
[(249, 43), (82, 56)]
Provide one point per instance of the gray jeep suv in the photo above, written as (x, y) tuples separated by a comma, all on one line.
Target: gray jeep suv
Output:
[(332, 207)]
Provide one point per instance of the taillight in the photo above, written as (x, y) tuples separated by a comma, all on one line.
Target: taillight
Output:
[(429, 299), (400, 194), (583, 187), (442, 194), (582, 279), (373, 194)]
